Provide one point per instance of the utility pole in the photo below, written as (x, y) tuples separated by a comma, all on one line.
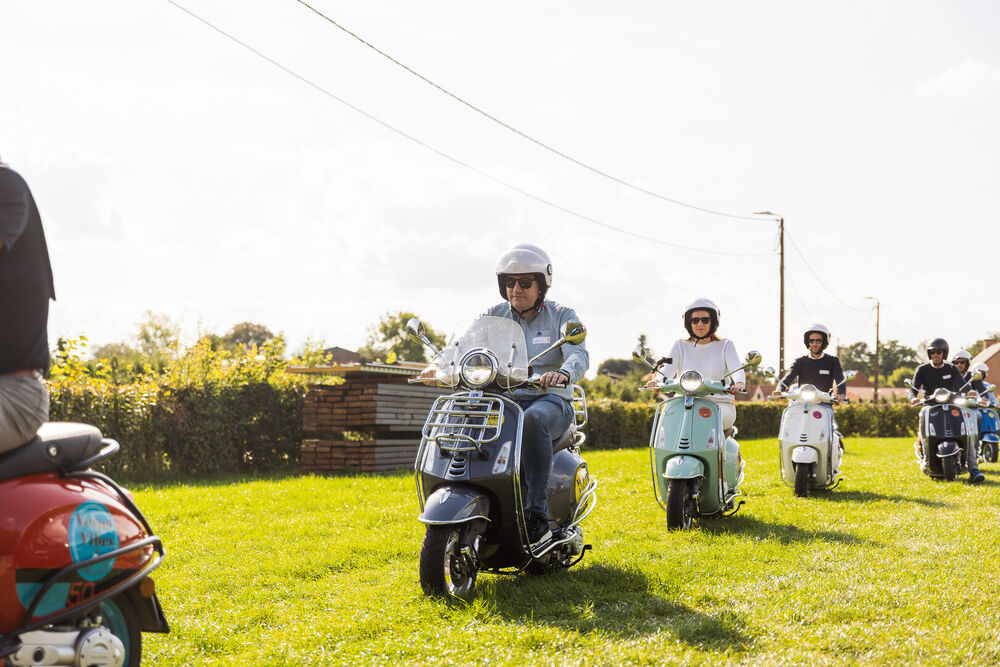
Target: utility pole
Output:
[(878, 305), (781, 289)]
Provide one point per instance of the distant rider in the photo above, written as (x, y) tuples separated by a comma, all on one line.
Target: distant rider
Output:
[(705, 352), (524, 275), (817, 368), (961, 361), (936, 374)]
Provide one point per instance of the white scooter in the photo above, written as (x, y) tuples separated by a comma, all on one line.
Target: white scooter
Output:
[(808, 440)]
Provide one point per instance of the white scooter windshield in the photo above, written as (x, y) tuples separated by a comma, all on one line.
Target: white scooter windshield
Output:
[(502, 336)]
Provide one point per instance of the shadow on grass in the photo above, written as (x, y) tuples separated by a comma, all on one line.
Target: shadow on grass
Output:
[(872, 497), (611, 600), (782, 532)]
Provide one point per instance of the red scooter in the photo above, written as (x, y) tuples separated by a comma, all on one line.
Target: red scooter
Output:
[(75, 556)]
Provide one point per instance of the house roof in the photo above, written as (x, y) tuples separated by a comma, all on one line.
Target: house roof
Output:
[(374, 368)]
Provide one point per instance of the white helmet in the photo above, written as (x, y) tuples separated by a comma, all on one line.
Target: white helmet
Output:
[(981, 367), (702, 304), (525, 258), (962, 354), (821, 330)]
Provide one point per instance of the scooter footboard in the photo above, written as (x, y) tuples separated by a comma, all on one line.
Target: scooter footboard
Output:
[(454, 504)]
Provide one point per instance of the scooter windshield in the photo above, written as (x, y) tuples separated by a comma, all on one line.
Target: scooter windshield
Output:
[(502, 336)]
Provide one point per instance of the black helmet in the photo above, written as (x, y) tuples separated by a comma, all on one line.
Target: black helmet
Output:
[(821, 330), (938, 344)]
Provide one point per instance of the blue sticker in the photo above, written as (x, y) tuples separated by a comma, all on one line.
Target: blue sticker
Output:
[(92, 532)]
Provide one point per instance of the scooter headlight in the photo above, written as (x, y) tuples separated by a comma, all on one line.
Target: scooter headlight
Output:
[(479, 367), (808, 393), (691, 381), (941, 395)]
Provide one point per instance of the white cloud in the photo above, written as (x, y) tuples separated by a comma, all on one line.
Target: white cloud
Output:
[(970, 79)]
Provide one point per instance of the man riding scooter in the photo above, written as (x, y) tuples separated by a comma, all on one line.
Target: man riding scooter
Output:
[(936, 374), (524, 275), (817, 368)]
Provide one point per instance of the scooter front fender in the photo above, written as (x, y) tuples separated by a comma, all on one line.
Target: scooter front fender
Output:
[(454, 504), (684, 467), (947, 448), (803, 454)]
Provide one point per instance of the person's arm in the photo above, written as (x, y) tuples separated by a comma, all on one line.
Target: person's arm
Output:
[(14, 210), (916, 383), (793, 373), (838, 377), (576, 359), (739, 378), (957, 381)]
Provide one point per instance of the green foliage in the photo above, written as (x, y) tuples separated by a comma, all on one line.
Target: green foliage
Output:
[(615, 423), (619, 367), (389, 336), (248, 335), (896, 378), (211, 410), (628, 389), (892, 355)]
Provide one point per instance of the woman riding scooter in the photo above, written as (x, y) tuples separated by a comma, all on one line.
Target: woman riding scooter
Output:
[(705, 352)]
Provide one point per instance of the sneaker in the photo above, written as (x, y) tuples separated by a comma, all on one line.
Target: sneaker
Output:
[(538, 529), (974, 478)]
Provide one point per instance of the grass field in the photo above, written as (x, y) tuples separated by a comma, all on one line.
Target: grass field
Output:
[(889, 568)]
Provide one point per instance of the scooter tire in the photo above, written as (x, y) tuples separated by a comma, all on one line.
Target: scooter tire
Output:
[(948, 470), (802, 480), (679, 511), (990, 452), (444, 570)]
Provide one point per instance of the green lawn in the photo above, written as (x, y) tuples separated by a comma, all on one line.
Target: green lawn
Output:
[(889, 568)]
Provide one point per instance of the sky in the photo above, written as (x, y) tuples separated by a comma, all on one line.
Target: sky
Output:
[(179, 172)]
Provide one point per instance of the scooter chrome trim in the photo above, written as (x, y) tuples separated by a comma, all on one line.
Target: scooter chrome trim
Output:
[(452, 414), (586, 504)]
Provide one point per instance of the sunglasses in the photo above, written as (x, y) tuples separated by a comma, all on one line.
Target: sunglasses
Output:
[(815, 340), (525, 283), (941, 352), (701, 320), (962, 361)]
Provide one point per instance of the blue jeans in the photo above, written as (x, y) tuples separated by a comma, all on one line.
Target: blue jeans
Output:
[(546, 418)]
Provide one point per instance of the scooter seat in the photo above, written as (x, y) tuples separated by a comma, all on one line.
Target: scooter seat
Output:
[(567, 438), (58, 445)]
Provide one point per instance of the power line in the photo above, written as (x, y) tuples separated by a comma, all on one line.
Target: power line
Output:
[(521, 134), (455, 160), (818, 279), (799, 295)]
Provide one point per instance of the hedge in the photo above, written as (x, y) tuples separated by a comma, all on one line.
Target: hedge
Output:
[(613, 424)]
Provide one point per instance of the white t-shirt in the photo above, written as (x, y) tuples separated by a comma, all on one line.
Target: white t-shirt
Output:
[(713, 360)]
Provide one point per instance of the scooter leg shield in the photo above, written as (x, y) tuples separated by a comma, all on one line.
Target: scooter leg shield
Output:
[(454, 504), (684, 467)]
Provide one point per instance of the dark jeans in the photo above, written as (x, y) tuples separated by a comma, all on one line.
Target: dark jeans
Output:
[(546, 418)]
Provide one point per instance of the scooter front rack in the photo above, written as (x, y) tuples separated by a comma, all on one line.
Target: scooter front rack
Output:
[(463, 423)]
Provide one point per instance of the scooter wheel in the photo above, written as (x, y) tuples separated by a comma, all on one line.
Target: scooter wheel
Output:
[(802, 480), (680, 511), (120, 618), (444, 569), (948, 468)]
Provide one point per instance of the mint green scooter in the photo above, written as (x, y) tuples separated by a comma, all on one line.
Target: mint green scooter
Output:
[(697, 467)]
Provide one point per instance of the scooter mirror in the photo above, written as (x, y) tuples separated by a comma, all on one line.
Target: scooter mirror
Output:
[(753, 358), (770, 372), (415, 328), (850, 375), (573, 333), (639, 357), (907, 382), (978, 375)]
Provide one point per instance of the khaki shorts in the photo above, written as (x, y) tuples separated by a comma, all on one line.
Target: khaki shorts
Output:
[(24, 407)]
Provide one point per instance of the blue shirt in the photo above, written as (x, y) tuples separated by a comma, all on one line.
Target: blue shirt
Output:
[(540, 331)]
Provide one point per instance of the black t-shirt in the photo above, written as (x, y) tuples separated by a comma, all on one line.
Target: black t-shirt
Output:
[(822, 373), (25, 278), (929, 378)]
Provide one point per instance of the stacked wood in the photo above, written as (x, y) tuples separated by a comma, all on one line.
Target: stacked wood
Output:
[(377, 455), (389, 412), (364, 404)]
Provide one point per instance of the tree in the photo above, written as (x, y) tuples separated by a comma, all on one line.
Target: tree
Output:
[(618, 367), (389, 336), (248, 334), (980, 345), (857, 357), (895, 379), (893, 355)]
